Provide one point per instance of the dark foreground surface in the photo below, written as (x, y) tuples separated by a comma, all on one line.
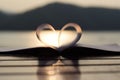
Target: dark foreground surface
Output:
[(72, 53), (75, 63)]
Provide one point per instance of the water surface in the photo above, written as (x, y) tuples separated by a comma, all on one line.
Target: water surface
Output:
[(100, 69)]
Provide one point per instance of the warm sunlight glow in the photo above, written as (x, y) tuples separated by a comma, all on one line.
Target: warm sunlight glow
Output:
[(50, 38), (59, 39)]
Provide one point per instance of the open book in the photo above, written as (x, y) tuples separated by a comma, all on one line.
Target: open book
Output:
[(75, 52)]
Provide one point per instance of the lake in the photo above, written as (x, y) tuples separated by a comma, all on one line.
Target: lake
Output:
[(26, 39), (14, 68)]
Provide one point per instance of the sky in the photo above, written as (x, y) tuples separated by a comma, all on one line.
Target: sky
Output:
[(19, 6)]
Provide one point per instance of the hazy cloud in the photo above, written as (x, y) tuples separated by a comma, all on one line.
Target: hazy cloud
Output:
[(17, 6)]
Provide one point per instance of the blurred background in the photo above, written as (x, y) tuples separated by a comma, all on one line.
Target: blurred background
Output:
[(99, 19)]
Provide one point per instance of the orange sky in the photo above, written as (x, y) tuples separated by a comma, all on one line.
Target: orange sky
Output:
[(18, 6)]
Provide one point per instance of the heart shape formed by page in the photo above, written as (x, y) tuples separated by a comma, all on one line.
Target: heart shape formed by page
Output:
[(59, 39)]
